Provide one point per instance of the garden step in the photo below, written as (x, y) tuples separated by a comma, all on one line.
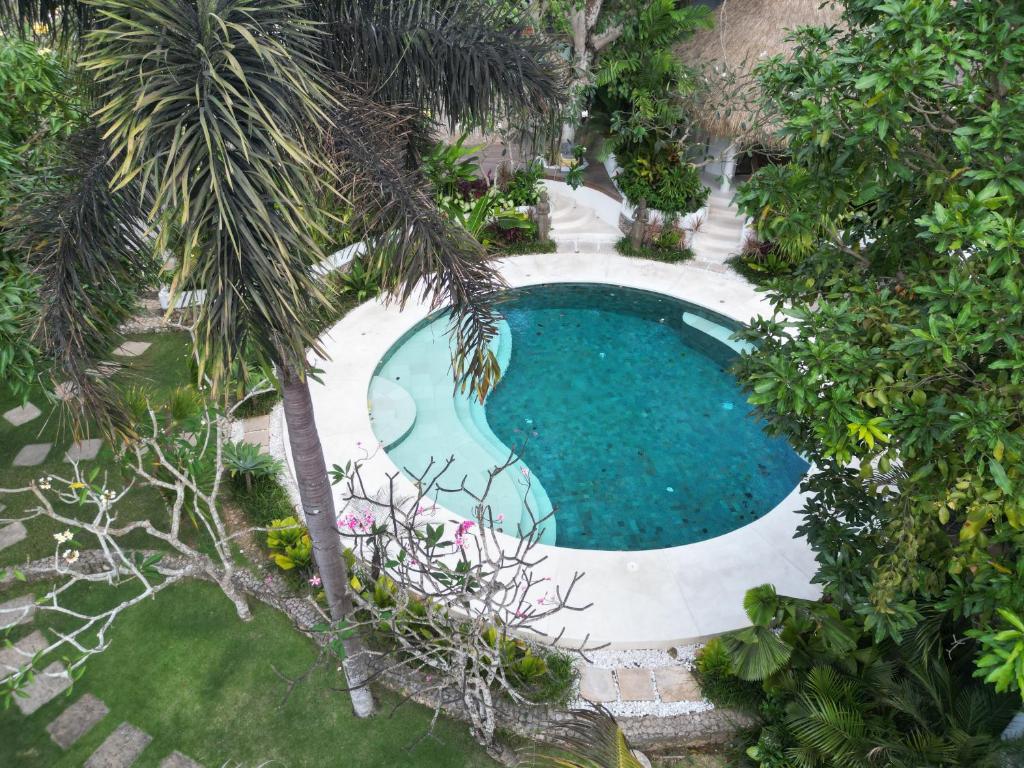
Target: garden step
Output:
[(19, 655), (11, 534), (120, 749), (77, 720), (84, 450), (44, 688), (17, 611), (23, 414), (132, 348)]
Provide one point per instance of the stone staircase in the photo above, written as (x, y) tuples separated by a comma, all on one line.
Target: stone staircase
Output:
[(577, 228), (718, 237)]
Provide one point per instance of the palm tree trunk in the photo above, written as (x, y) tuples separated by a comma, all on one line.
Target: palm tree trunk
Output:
[(318, 507)]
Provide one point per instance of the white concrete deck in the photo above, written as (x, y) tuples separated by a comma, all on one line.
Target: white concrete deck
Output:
[(649, 599)]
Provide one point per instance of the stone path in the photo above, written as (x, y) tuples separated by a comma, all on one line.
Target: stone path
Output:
[(642, 682), (21, 653), (77, 720), (257, 431), (178, 760), (23, 414), (11, 534), (120, 749), (32, 455), (83, 450), (132, 348), (49, 683), (20, 610)]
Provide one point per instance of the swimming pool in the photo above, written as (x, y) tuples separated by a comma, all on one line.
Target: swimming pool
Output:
[(620, 405)]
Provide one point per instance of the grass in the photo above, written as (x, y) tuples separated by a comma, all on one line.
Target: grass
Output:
[(186, 671), (161, 369), (653, 252)]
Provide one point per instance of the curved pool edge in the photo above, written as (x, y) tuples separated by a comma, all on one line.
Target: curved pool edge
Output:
[(646, 599)]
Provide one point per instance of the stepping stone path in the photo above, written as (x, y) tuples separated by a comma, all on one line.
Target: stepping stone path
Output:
[(178, 760), (22, 414), (120, 749), (257, 431), (20, 654), (635, 684), (45, 687), (83, 450), (32, 454), (77, 720), (11, 534), (640, 683), (676, 684), (132, 348), (20, 610)]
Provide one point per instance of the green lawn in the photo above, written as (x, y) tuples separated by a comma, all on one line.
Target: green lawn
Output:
[(186, 671)]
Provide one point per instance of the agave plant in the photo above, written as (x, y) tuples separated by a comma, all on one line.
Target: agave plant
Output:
[(587, 739), (247, 460)]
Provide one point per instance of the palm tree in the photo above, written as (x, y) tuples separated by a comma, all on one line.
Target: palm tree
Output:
[(233, 128), (585, 739)]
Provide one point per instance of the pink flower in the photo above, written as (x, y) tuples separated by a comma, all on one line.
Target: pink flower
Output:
[(500, 518), (315, 581), (525, 471)]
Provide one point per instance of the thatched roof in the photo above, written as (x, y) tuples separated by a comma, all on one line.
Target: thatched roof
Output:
[(745, 33)]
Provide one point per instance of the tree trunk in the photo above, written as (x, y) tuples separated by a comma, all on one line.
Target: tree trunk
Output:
[(639, 228), (321, 520)]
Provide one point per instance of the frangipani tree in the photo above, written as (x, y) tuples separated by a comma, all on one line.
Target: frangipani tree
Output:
[(231, 130)]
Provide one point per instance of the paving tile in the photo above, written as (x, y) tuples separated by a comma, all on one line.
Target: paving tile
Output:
[(120, 749), (84, 450), (260, 437), (256, 424), (597, 685), (676, 684), (635, 684), (132, 348), (32, 454), (23, 414), (13, 658), (44, 688), (20, 610), (178, 760), (11, 534), (77, 720)]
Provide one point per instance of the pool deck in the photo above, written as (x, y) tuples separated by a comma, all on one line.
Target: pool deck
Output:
[(649, 599)]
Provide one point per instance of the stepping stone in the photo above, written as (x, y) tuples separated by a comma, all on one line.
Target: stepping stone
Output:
[(676, 684), (32, 454), (23, 414), (635, 684), (84, 450), (77, 720), (120, 749), (13, 658), (178, 760), (17, 611), (12, 534), (260, 437), (597, 685), (46, 686), (66, 390), (132, 348)]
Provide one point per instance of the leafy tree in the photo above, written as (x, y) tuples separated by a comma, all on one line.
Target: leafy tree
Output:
[(893, 359), (227, 145)]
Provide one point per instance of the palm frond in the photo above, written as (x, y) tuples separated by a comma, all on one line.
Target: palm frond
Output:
[(87, 247), (417, 247), (466, 60), (588, 739), (757, 652), (210, 106)]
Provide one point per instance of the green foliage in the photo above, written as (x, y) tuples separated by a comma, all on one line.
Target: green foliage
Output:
[(1002, 662), (653, 251), (665, 183), (263, 501), (718, 680), (524, 187), (361, 280), (258, 405), (289, 544), (586, 739), (247, 461), (832, 696), (893, 359), (451, 167)]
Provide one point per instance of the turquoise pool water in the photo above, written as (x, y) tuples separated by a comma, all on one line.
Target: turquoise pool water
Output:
[(620, 406)]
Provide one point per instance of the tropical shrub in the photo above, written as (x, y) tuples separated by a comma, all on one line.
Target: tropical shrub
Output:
[(247, 462), (834, 697), (289, 544), (719, 682), (524, 187), (666, 183), (653, 251)]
